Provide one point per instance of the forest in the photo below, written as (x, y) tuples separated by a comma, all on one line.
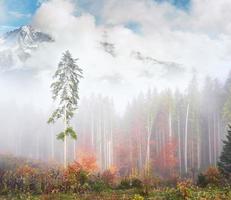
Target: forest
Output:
[(167, 145), (170, 132), (115, 100)]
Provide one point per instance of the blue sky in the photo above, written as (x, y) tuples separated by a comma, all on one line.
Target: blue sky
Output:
[(184, 4), (15, 8), (20, 12)]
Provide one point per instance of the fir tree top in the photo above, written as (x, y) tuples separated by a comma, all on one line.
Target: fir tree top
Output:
[(65, 88)]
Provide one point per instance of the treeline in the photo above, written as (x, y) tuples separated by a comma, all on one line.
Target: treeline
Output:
[(162, 132)]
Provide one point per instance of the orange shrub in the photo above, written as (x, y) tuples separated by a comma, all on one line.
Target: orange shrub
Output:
[(88, 163), (213, 176), (25, 171), (184, 187)]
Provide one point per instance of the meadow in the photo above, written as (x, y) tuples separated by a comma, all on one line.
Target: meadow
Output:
[(33, 180)]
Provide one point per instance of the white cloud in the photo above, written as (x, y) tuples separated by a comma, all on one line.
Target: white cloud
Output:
[(197, 38), (59, 17), (194, 39), (211, 16), (208, 16)]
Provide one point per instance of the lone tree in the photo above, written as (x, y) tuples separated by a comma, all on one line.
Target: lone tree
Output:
[(65, 89), (225, 159)]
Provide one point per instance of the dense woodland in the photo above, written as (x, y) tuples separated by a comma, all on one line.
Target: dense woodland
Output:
[(166, 133), (163, 132)]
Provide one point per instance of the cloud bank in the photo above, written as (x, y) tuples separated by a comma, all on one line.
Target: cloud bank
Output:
[(182, 40)]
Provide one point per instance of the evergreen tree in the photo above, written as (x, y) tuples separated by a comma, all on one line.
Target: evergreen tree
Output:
[(225, 159), (65, 91), (227, 100), (227, 108)]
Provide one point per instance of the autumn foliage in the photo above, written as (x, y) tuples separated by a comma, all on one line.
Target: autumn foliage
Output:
[(86, 161), (109, 176), (25, 171), (166, 161)]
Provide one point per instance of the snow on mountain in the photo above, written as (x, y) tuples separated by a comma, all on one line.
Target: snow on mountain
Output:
[(16, 46), (166, 68)]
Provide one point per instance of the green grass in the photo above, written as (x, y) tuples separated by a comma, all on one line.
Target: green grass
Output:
[(89, 196), (164, 194)]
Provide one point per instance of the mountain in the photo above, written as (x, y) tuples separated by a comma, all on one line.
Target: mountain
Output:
[(168, 69), (151, 65), (16, 46)]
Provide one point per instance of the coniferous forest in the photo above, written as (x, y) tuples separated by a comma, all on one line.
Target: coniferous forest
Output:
[(99, 102), (164, 139)]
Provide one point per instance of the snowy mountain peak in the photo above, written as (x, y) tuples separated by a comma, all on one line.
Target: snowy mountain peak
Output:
[(18, 45), (26, 28), (26, 35)]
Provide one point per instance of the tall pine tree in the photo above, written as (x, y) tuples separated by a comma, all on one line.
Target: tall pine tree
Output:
[(65, 89), (225, 159)]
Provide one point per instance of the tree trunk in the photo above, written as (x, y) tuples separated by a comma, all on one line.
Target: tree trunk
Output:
[(186, 141), (170, 124), (52, 144), (111, 145), (65, 140), (140, 156), (179, 144), (74, 149), (148, 154), (149, 130), (210, 155), (74, 146), (198, 154), (214, 140), (198, 146)]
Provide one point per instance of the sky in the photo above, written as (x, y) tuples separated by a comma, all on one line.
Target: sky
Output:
[(157, 43), (19, 13)]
